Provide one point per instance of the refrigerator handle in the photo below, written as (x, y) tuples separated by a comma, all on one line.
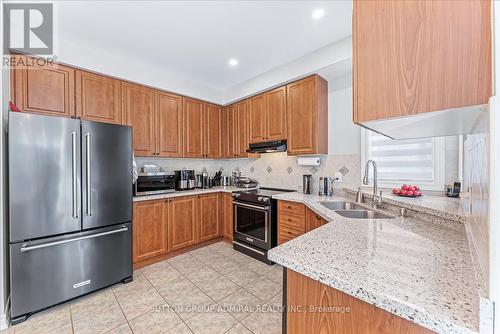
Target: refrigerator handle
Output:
[(87, 167), (26, 248), (74, 176)]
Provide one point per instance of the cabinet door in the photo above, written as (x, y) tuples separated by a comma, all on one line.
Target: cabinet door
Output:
[(208, 222), (212, 132), (229, 134), (98, 98), (42, 89), (302, 117), (138, 112), (193, 128), (241, 132), (227, 216), (313, 220), (182, 222), (168, 110), (257, 112), (276, 114), (150, 229), (412, 57)]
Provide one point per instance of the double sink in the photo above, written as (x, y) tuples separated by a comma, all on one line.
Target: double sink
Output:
[(353, 210)]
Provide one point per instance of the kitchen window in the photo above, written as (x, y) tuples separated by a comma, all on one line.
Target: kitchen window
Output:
[(411, 161)]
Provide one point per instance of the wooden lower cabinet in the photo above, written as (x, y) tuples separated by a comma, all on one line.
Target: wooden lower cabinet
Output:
[(149, 229), (291, 220), (227, 215), (209, 215), (313, 220), (168, 225), (302, 293), (182, 222)]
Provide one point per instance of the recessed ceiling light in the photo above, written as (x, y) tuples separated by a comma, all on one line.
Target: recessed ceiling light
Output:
[(233, 62), (318, 13)]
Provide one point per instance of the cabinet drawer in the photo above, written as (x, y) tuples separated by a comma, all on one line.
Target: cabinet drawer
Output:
[(285, 231), (292, 221), (291, 208)]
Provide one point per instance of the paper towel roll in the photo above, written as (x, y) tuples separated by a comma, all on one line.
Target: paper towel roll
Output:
[(309, 161)]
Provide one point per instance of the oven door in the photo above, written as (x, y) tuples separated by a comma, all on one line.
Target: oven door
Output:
[(252, 224)]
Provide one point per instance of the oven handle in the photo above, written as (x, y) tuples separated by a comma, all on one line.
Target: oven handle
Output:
[(262, 208)]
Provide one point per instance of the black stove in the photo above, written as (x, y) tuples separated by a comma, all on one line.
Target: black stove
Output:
[(255, 221)]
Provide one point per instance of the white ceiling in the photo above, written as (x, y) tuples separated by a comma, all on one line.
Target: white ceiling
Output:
[(195, 39)]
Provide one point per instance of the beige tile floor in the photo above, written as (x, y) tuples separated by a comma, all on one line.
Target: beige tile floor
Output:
[(212, 290)]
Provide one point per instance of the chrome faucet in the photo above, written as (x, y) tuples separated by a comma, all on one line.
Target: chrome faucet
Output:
[(377, 197)]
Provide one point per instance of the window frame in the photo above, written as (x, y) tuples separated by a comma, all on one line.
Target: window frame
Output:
[(438, 157)]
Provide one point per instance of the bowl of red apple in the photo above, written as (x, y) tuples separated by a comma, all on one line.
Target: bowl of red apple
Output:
[(407, 191)]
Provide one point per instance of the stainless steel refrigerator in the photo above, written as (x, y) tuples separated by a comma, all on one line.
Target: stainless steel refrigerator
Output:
[(70, 209)]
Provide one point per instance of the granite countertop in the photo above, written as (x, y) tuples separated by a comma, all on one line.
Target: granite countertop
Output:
[(180, 193), (415, 269)]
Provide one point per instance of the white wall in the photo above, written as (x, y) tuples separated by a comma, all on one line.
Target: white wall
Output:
[(330, 55), (132, 69), (343, 134)]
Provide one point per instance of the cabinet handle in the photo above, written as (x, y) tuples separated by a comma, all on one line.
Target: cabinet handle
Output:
[(289, 207), (289, 220)]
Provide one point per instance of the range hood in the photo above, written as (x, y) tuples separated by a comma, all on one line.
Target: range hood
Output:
[(268, 147)]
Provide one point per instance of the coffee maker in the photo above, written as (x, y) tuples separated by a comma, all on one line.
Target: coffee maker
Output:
[(184, 179)]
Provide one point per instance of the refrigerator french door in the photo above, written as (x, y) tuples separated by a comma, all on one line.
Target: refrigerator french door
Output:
[(70, 209)]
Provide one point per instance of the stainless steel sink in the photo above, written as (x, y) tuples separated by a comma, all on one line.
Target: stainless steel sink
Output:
[(342, 206), (363, 214)]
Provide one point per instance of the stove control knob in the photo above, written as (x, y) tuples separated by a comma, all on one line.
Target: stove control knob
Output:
[(266, 199), (260, 198), (236, 195)]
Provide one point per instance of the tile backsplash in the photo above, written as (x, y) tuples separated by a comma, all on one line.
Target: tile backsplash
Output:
[(282, 171), (271, 169)]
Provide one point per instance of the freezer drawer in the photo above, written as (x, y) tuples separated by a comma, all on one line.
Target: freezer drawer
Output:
[(53, 270)]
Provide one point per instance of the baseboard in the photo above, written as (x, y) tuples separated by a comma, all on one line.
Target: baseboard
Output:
[(3, 322)]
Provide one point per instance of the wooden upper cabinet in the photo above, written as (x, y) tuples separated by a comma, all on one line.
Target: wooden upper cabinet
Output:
[(276, 114), (412, 57), (149, 229), (183, 218), (193, 128), (229, 123), (209, 215), (241, 129), (169, 124), (212, 130), (42, 89), (307, 116), (98, 98), (138, 112), (257, 113)]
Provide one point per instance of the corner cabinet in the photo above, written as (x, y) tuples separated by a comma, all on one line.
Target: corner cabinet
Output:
[(307, 116), (414, 57), (98, 98)]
